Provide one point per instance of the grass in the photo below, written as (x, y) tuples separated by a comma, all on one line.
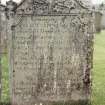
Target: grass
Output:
[(98, 73), (5, 81)]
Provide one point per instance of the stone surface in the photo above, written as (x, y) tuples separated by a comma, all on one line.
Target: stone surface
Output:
[(51, 48)]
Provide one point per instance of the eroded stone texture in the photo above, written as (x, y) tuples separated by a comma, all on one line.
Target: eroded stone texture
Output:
[(51, 52)]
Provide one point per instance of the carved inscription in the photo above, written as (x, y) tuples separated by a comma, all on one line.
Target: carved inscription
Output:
[(51, 47), (49, 59)]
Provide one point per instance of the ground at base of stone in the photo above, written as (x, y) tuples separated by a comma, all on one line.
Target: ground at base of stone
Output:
[(59, 103), (5, 103), (70, 103)]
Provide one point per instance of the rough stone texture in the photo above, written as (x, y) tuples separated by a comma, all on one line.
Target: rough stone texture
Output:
[(51, 51)]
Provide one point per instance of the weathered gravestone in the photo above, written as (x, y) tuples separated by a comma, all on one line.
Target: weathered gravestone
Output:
[(51, 48)]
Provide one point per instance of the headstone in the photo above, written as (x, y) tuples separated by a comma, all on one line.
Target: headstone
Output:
[(51, 48), (98, 21), (102, 21)]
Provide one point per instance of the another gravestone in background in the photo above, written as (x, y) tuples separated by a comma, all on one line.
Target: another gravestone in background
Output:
[(103, 17), (98, 19), (2, 8), (51, 51)]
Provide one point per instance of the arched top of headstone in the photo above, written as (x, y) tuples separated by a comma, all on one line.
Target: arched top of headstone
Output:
[(45, 7)]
